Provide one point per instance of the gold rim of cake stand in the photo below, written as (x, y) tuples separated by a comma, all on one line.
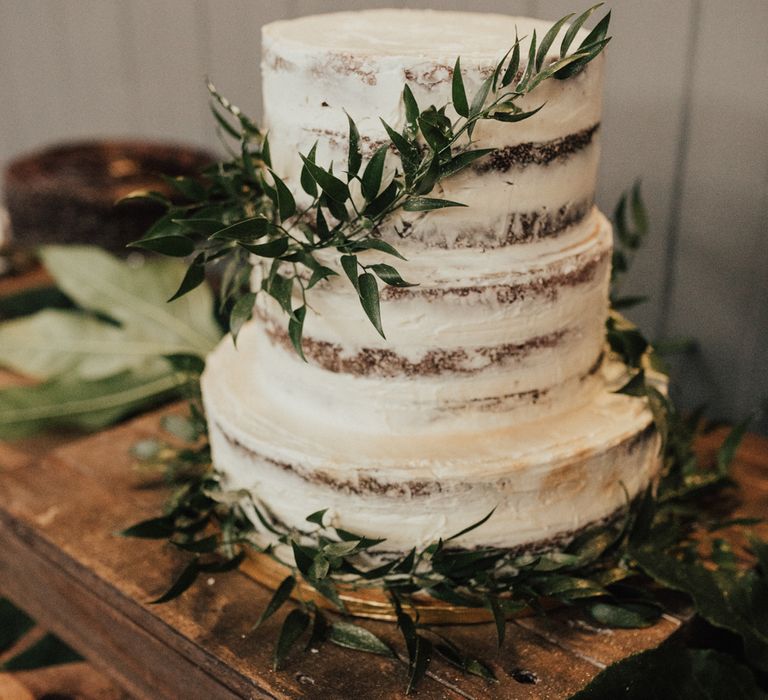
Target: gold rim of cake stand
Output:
[(372, 603)]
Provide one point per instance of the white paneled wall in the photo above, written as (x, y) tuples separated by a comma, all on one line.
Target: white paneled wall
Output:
[(686, 109)]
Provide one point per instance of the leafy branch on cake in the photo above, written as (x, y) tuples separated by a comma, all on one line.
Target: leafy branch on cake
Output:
[(244, 211)]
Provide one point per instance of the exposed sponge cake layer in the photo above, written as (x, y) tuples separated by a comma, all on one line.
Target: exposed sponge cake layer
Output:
[(546, 478)]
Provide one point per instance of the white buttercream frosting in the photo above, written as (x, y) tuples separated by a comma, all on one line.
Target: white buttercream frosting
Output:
[(490, 389)]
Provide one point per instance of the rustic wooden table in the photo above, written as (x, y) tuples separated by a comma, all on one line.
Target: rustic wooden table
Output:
[(62, 498)]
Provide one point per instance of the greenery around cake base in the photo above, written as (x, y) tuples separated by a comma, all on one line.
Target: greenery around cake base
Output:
[(616, 575)]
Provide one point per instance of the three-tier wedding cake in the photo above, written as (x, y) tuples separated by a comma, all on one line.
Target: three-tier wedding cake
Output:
[(493, 387)]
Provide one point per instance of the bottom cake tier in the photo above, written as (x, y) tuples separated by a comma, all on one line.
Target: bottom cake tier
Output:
[(547, 479)]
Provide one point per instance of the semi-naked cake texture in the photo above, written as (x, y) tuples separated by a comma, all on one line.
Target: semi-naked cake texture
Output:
[(493, 388)]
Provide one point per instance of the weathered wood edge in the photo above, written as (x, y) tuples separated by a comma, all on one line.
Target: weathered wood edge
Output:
[(71, 592)]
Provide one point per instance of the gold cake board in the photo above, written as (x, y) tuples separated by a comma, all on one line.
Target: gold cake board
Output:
[(372, 603)]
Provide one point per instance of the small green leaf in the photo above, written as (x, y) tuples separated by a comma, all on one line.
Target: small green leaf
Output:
[(317, 517), (242, 310), (246, 230), (381, 203), (639, 213), (419, 663), (205, 227), (206, 545), (193, 278), (407, 629), (458, 92), (247, 158), (598, 33), (559, 67), (153, 529), (471, 527), (548, 39), (321, 225), (308, 183), (329, 183), (15, 624), (478, 668), (223, 123), (429, 204), (286, 205), (463, 160), (389, 275), (349, 265), (522, 86), (188, 187), (186, 363), (454, 657), (627, 302), (296, 329), (167, 238), (319, 274), (341, 549), (295, 624), (497, 71), (425, 181), (409, 154), (371, 181), (49, 650), (355, 157), (274, 249), (337, 209), (281, 289), (514, 64), (303, 556), (514, 116), (628, 343), (328, 589), (411, 112), (573, 29), (584, 56), (369, 298), (624, 615), (351, 636), (499, 618), (266, 152), (320, 630), (186, 578), (635, 386), (478, 101), (320, 567), (279, 597), (569, 587)]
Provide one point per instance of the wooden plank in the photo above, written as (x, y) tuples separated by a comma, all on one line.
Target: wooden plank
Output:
[(721, 261), (77, 680)]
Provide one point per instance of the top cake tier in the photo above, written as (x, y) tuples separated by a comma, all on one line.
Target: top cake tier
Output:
[(539, 181)]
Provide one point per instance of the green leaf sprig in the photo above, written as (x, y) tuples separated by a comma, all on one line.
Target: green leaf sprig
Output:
[(244, 210)]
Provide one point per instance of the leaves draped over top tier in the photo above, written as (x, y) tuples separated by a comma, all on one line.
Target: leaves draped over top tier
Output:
[(243, 211)]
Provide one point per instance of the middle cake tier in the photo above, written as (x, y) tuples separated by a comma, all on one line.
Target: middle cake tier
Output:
[(507, 335)]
